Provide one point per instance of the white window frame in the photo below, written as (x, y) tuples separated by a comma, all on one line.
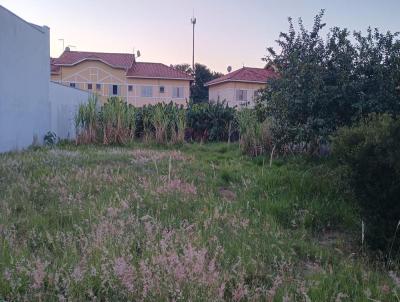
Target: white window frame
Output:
[(241, 95), (146, 91), (177, 92)]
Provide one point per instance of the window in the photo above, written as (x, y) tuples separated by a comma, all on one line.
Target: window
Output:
[(257, 93), (89, 86), (162, 89), (98, 86), (146, 91), (177, 92), (72, 85), (114, 89), (241, 95), (130, 87)]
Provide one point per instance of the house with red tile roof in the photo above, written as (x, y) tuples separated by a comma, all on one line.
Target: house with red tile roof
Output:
[(119, 74), (240, 87)]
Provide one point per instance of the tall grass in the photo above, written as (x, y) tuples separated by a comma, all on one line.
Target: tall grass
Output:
[(254, 136), (86, 121), (161, 122), (178, 129), (204, 224), (117, 121)]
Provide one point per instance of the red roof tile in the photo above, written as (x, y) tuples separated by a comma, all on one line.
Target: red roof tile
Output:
[(122, 60), (54, 68), (156, 70), (245, 74), (117, 60)]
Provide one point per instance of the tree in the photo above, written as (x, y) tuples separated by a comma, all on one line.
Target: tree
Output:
[(327, 83), (183, 67), (198, 92)]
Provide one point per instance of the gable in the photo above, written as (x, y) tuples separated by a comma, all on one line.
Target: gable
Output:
[(92, 72)]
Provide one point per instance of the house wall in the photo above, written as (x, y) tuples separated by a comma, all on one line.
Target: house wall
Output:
[(228, 90), (96, 72), (64, 103), (24, 81)]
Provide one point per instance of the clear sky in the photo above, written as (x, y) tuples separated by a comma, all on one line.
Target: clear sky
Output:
[(228, 32)]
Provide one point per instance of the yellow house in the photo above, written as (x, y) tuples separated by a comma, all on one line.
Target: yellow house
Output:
[(239, 87), (118, 74)]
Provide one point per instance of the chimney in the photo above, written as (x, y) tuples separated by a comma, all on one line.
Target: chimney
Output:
[(67, 48)]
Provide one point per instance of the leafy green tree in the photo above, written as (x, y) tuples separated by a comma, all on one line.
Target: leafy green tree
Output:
[(202, 75), (184, 67), (327, 83)]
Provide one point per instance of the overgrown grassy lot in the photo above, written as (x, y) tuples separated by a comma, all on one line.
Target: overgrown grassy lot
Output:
[(202, 223)]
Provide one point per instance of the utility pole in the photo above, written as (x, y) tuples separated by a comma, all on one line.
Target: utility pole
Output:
[(193, 21)]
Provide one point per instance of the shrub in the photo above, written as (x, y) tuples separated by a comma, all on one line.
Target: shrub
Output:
[(164, 123), (254, 136), (210, 121), (371, 150), (328, 83), (50, 138)]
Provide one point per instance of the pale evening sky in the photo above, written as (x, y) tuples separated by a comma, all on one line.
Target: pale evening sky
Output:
[(228, 32)]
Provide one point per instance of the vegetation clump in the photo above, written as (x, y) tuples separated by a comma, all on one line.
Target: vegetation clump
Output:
[(371, 150), (324, 84)]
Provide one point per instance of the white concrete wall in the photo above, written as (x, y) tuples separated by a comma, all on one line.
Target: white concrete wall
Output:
[(229, 95), (64, 102), (24, 81)]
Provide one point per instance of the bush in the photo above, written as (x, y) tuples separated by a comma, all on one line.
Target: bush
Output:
[(210, 121), (50, 138), (371, 150), (328, 83)]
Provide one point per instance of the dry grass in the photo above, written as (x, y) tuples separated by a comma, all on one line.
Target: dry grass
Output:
[(200, 224)]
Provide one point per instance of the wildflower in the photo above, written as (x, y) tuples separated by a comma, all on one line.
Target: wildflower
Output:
[(7, 275), (395, 278), (177, 185), (124, 272), (112, 212), (221, 290), (124, 205), (239, 292), (385, 289), (39, 274), (147, 277), (78, 273)]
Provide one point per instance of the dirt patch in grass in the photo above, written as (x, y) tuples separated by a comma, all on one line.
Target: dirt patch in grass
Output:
[(142, 156), (227, 194)]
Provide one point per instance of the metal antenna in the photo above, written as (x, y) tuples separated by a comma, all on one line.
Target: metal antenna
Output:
[(63, 43), (193, 21)]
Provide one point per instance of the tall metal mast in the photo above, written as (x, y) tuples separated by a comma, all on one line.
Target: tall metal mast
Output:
[(193, 21)]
